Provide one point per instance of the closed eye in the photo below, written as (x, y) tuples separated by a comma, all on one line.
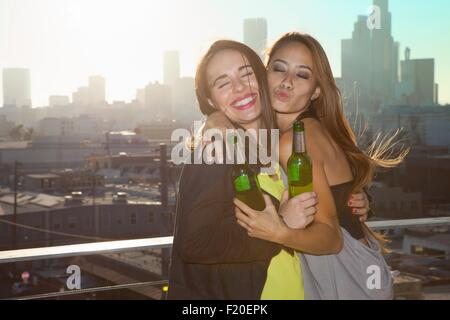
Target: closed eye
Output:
[(247, 75), (279, 69), (303, 75), (223, 85)]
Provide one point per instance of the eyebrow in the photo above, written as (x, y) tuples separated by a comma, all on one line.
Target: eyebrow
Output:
[(298, 66), (224, 75)]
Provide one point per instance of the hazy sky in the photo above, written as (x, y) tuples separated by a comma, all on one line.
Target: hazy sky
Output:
[(65, 41)]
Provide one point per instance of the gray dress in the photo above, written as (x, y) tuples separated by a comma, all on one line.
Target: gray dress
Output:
[(357, 272)]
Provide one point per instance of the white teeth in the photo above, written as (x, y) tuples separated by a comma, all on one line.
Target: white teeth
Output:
[(245, 101)]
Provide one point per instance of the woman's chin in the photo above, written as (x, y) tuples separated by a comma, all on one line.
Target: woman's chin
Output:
[(247, 116), (282, 107), (286, 108), (247, 119)]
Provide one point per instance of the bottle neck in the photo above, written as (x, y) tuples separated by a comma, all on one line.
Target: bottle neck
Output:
[(238, 156), (298, 142)]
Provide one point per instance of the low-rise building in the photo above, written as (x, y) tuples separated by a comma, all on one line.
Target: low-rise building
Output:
[(45, 220)]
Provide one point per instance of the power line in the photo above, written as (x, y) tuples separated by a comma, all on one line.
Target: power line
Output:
[(24, 226), (93, 290)]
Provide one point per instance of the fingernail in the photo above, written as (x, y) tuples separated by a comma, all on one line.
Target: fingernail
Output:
[(350, 203)]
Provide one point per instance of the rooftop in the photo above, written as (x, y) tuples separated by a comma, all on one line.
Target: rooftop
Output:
[(43, 176), (129, 252), (34, 202), (14, 144)]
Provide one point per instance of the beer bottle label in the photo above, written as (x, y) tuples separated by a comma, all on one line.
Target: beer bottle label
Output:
[(242, 183)]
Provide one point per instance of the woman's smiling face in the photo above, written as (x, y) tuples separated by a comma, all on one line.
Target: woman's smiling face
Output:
[(291, 78), (233, 86)]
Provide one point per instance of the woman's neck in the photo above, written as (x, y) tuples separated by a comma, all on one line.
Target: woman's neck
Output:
[(256, 125), (285, 120)]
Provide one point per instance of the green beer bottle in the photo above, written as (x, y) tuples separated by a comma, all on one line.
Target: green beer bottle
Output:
[(246, 185), (299, 164), (247, 188)]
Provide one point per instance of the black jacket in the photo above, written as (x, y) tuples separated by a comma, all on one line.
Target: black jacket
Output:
[(212, 255)]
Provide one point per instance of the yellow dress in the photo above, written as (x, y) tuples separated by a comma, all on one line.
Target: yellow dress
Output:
[(284, 275)]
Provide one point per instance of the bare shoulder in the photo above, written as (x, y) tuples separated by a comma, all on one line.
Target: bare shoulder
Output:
[(285, 147), (218, 120), (318, 143)]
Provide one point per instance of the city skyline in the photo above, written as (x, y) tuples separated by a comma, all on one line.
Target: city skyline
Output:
[(129, 60), (103, 153)]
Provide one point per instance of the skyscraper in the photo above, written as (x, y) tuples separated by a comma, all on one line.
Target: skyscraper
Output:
[(58, 101), (97, 90), (81, 97), (171, 67), (158, 100), (140, 96), (417, 87), (16, 87), (185, 101), (356, 66), (255, 34), (370, 62), (384, 59), (436, 93)]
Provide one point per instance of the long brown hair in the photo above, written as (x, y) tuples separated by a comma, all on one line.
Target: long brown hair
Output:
[(329, 109), (202, 89)]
